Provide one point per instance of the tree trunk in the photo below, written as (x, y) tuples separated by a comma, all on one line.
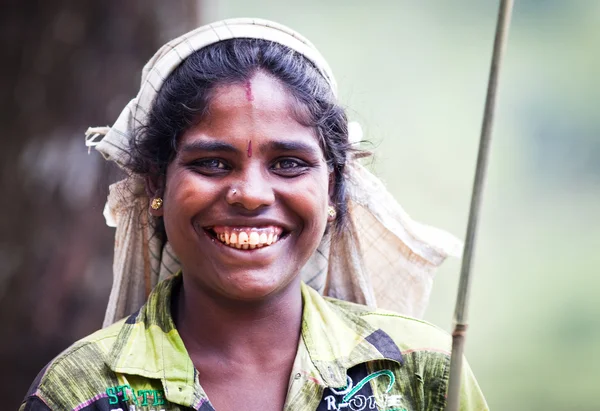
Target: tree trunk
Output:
[(67, 65)]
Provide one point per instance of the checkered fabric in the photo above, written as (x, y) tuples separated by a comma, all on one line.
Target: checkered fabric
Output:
[(350, 357), (383, 259)]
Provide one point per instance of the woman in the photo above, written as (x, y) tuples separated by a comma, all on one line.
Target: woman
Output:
[(239, 151)]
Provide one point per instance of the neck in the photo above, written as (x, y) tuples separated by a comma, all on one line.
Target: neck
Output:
[(239, 331)]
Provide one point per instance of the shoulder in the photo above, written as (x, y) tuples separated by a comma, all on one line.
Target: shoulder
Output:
[(408, 333), (381, 328), (424, 348), (77, 374)]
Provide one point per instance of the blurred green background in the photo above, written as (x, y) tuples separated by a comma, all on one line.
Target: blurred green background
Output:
[(414, 74)]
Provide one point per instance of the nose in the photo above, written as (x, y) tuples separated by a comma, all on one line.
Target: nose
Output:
[(251, 190)]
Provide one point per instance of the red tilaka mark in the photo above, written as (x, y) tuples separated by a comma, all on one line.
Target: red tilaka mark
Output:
[(248, 88), (249, 148)]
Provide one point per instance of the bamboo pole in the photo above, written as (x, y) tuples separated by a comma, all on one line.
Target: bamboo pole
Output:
[(461, 310)]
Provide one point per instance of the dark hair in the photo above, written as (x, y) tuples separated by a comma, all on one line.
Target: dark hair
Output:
[(184, 99)]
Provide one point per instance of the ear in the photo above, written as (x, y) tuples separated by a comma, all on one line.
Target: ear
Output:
[(154, 189)]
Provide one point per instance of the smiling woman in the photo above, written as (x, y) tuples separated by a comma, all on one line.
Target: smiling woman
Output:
[(281, 191), (243, 183)]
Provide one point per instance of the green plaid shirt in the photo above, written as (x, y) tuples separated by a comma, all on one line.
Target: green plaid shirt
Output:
[(350, 357)]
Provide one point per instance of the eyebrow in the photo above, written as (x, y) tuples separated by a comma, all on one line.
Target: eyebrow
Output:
[(218, 146), (210, 146), (295, 146)]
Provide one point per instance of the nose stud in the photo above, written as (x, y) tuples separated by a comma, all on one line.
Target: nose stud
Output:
[(230, 196)]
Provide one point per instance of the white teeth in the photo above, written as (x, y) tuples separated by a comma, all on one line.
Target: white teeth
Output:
[(248, 239), (254, 237)]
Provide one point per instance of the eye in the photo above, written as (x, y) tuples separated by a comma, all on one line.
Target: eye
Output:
[(286, 163), (209, 166), (289, 167), (212, 163)]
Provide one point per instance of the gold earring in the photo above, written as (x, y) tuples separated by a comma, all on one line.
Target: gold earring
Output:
[(331, 212), (156, 203)]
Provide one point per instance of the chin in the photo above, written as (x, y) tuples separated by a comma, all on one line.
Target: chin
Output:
[(253, 286)]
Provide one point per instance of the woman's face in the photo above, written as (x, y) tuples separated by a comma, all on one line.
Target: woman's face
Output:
[(246, 196)]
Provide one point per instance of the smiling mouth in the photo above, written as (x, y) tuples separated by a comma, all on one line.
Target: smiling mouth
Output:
[(246, 238)]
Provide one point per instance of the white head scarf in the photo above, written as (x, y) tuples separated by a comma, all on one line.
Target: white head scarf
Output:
[(383, 259)]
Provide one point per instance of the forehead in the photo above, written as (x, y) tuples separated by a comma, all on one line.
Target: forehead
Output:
[(261, 93), (261, 108)]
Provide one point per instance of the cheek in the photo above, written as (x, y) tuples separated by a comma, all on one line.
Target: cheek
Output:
[(310, 200), (186, 194)]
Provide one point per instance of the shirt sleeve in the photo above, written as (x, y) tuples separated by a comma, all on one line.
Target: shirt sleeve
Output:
[(33, 403), (471, 397)]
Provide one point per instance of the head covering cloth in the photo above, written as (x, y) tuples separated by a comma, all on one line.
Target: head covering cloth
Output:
[(383, 258)]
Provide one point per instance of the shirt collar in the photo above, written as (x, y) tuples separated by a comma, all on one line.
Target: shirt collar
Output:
[(335, 335), (338, 338), (150, 346)]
